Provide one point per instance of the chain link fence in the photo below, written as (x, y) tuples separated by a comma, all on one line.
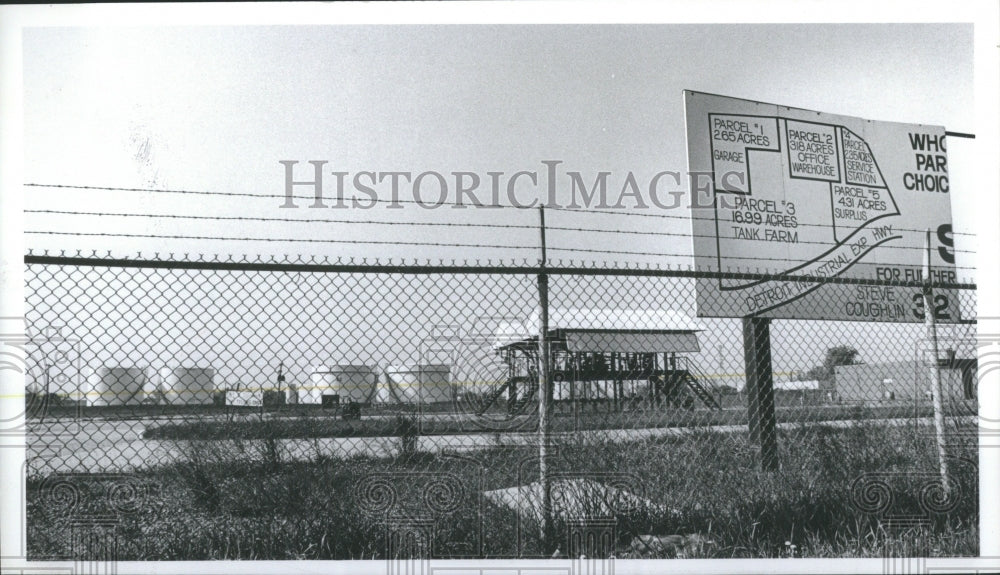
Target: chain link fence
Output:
[(279, 411)]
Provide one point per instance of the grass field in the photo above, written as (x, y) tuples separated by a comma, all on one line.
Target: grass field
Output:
[(342, 508), (306, 426)]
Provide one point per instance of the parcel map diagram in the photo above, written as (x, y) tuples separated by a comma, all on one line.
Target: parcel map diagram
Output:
[(797, 192)]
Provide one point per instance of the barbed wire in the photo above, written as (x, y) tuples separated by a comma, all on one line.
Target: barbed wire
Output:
[(429, 224), (747, 258), (426, 265), (692, 217), (688, 217), (297, 259), (712, 237), (422, 244), (298, 240), (285, 220), (265, 196), (685, 217)]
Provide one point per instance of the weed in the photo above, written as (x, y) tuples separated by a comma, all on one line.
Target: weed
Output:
[(240, 499)]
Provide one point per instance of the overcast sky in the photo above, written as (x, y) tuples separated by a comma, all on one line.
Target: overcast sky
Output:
[(217, 109)]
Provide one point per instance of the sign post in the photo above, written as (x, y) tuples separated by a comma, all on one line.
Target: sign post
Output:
[(760, 389), (804, 198), (935, 370)]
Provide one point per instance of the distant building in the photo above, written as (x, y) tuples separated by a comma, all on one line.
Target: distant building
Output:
[(904, 380), (792, 385)]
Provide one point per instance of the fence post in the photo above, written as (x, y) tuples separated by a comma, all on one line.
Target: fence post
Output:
[(935, 370), (760, 389), (544, 407)]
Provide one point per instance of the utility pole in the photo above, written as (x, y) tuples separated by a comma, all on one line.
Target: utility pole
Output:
[(281, 380), (544, 407), (45, 398), (935, 370)]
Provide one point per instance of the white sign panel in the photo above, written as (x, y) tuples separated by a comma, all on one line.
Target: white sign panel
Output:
[(798, 192)]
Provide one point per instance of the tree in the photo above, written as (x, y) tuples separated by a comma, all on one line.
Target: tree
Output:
[(837, 355), (840, 355)]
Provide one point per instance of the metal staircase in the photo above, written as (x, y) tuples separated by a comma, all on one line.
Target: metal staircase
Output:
[(691, 376), (518, 404)]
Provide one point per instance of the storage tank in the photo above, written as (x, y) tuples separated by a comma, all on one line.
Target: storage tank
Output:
[(187, 385), (350, 382), (152, 389), (292, 394), (383, 393), (421, 383), (115, 386)]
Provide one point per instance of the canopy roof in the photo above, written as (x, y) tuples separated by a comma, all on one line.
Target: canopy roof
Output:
[(653, 320), (630, 342), (609, 330)]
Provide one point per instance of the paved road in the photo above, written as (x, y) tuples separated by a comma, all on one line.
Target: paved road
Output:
[(117, 446)]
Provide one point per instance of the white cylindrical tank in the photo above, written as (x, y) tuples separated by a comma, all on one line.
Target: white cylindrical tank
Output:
[(187, 385), (421, 383), (383, 393), (152, 389), (350, 382), (321, 382), (115, 386)]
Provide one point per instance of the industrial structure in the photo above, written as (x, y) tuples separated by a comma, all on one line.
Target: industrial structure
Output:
[(608, 356), (905, 380), (421, 383), (348, 383)]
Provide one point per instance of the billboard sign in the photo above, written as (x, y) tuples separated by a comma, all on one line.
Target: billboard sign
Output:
[(798, 192)]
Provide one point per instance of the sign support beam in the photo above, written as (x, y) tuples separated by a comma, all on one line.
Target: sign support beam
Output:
[(760, 389)]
